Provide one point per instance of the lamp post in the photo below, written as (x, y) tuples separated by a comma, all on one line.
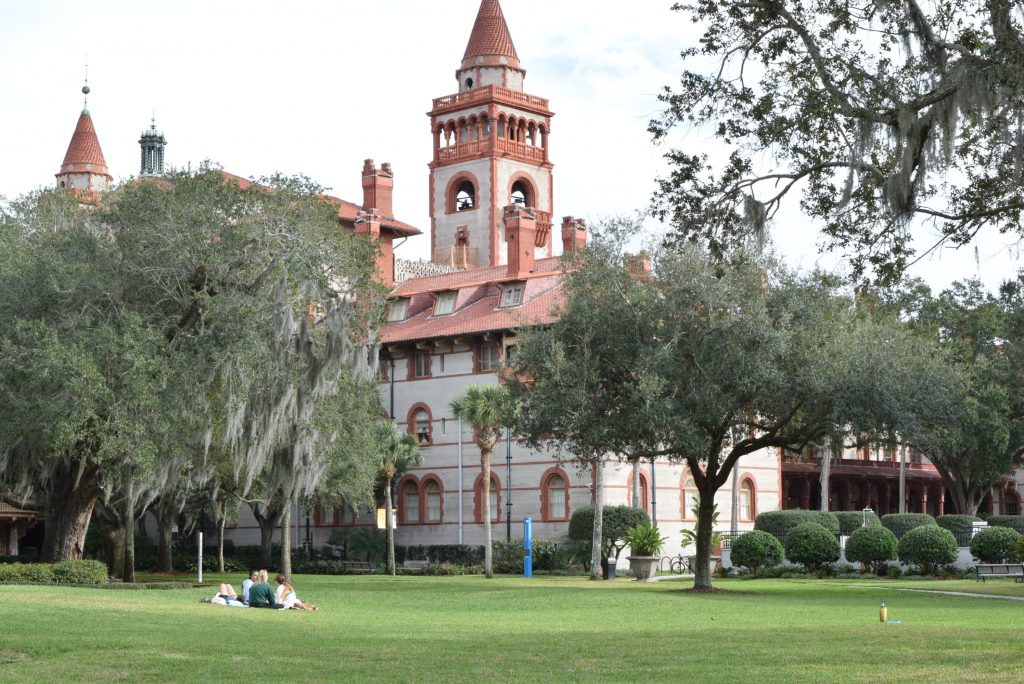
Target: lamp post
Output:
[(508, 485)]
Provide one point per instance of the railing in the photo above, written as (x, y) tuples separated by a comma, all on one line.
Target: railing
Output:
[(485, 93), (497, 144), (915, 465)]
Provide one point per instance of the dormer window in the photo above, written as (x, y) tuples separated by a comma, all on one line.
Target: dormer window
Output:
[(512, 295), (396, 310), (444, 304)]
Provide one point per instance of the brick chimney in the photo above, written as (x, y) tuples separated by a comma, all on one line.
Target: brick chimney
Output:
[(574, 234), (378, 186), (521, 234), (639, 265), (368, 223)]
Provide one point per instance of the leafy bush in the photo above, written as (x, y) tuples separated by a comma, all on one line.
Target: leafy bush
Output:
[(66, 572), (645, 540), (901, 523), (1020, 547), (873, 546), (1014, 522), (454, 554), (957, 524), (756, 550), (779, 523), (616, 521), (894, 571), (929, 547), (508, 557), (995, 545), (854, 520), (811, 545)]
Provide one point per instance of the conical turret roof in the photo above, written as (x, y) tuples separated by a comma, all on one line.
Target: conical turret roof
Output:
[(491, 37), (84, 154)]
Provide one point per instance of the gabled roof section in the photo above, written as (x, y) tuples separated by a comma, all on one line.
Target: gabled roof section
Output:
[(461, 279), (491, 37), (84, 154)]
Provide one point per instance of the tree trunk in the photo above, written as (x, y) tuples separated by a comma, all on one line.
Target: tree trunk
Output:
[(706, 511), (390, 528), (128, 530), (113, 551), (485, 466), (165, 538), (286, 539), (598, 537), (903, 480), (68, 511), (267, 519), (637, 503), (222, 523)]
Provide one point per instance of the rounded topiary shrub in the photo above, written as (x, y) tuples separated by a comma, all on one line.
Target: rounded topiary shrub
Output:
[(615, 522), (995, 545), (901, 523), (812, 545), (873, 546), (779, 523), (957, 524), (756, 550), (854, 520), (1014, 522), (929, 547)]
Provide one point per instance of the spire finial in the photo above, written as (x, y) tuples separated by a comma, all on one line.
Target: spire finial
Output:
[(85, 88)]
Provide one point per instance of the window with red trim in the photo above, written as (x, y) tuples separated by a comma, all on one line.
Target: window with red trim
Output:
[(432, 495), (747, 502), (557, 497), (422, 364), (411, 502)]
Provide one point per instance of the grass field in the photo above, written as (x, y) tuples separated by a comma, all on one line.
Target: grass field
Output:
[(468, 629)]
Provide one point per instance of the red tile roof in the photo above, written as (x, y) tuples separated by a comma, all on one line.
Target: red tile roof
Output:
[(490, 35), (84, 154), (477, 306)]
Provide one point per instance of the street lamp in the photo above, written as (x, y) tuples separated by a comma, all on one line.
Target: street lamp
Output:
[(508, 485)]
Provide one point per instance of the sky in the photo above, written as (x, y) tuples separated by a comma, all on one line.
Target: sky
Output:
[(316, 86)]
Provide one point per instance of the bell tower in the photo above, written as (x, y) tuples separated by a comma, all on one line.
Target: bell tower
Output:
[(84, 169), (491, 143)]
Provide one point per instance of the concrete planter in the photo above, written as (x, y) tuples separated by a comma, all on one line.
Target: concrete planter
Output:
[(712, 563), (643, 567)]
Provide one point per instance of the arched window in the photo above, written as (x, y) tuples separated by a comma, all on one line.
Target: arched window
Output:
[(645, 493), (478, 509), (688, 499), (465, 197), (554, 495), (469, 83), (421, 425), (411, 502), (521, 194), (432, 494), (748, 504)]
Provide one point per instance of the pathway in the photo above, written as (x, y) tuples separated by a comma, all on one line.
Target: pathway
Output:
[(939, 591)]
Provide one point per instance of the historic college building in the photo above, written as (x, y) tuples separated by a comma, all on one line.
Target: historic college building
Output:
[(495, 266)]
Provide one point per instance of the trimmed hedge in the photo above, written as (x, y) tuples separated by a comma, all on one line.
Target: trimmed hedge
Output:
[(1014, 522), (547, 556), (756, 550), (616, 521), (901, 523), (854, 520), (779, 523), (995, 545), (957, 524), (929, 547), (65, 572), (873, 546), (456, 554), (812, 545)]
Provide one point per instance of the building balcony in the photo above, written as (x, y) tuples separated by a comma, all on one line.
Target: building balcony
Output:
[(916, 469), (496, 93)]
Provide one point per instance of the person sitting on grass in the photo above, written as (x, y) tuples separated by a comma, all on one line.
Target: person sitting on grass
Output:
[(261, 594), (286, 595), (253, 578)]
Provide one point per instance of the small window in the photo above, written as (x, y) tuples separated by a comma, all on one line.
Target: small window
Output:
[(511, 355), (422, 425), (444, 304), (422, 364), (469, 83), (512, 295), (433, 496), (411, 500), (521, 194), (489, 357), (383, 370), (747, 500), (396, 310), (465, 197)]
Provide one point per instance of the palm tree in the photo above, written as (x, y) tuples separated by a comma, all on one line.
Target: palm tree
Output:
[(398, 452), (487, 408)]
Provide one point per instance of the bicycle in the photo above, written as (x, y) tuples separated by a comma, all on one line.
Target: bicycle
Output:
[(678, 564)]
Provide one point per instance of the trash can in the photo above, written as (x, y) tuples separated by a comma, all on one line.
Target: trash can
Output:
[(608, 565)]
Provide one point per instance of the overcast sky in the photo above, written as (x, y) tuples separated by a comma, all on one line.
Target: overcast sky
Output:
[(315, 87)]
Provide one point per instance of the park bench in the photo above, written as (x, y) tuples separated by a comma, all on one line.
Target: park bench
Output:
[(1015, 570), (355, 566), (420, 565)]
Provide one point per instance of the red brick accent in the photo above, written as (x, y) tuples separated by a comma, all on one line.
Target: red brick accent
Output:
[(574, 234), (521, 234), (478, 514), (544, 478), (378, 188), (402, 485), (490, 36), (427, 479), (84, 154)]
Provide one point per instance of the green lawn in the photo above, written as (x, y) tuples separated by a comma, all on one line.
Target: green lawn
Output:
[(468, 629)]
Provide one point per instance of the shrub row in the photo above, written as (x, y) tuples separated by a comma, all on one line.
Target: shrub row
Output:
[(1014, 522), (854, 520), (459, 554), (779, 523), (65, 572), (901, 523), (874, 546), (957, 524)]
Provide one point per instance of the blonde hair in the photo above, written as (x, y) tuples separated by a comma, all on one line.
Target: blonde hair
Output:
[(264, 576)]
